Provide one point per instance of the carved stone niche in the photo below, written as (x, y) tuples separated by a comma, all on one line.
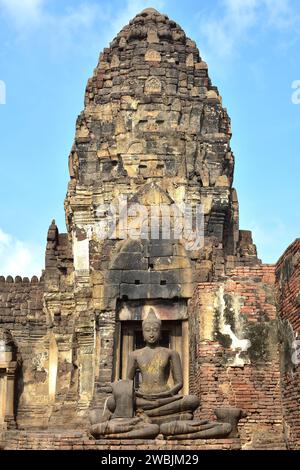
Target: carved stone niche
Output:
[(7, 381)]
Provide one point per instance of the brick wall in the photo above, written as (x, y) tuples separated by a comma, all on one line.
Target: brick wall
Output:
[(228, 314), (288, 301)]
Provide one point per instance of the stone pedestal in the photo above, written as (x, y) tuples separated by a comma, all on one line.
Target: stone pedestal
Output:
[(74, 440)]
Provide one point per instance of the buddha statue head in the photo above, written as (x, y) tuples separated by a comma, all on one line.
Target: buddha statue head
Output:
[(151, 328)]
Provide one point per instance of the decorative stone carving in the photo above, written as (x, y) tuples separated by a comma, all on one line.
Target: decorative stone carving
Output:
[(152, 56), (153, 85), (152, 36), (122, 42), (190, 60), (115, 61)]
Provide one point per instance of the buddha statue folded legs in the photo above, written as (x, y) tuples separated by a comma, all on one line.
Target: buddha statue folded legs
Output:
[(195, 429), (162, 410), (124, 428)]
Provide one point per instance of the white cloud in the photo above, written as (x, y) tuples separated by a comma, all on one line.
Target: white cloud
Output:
[(82, 26), (19, 258), (78, 28), (23, 12), (233, 22), (32, 18), (222, 32), (27, 14), (281, 14)]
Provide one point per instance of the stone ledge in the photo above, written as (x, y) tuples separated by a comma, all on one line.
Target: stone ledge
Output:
[(75, 440)]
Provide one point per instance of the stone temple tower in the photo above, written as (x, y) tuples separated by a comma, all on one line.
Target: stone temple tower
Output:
[(153, 132), (154, 126)]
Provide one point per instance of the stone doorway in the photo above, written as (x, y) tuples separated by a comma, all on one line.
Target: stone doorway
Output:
[(173, 315)]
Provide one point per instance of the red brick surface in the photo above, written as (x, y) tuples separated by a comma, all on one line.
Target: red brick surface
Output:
[(288, 302), (253, 387)]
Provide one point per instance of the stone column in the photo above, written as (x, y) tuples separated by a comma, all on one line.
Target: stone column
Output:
[(64, 365), (86, 360), (2, 398), (7, 385), (10, 385)]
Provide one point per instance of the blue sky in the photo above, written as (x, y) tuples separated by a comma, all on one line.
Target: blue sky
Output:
[(48, 50)]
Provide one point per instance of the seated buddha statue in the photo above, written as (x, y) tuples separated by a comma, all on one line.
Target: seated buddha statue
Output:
[(155, 398), (155, 407)]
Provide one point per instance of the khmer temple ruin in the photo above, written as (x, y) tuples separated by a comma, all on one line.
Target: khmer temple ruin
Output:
[(153, 132)]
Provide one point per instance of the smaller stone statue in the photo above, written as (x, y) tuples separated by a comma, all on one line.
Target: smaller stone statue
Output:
[(117, 420)]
